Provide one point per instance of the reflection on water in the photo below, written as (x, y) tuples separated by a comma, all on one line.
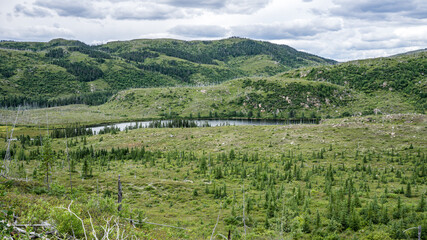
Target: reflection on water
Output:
[(212, 123)]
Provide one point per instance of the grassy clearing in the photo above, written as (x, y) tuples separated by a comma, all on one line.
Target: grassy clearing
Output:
[(286, 178)]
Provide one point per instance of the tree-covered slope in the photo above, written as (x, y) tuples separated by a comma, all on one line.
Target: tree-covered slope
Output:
[(403, 74), (213, 52), (249, 97), (246, 97), (59, 71)]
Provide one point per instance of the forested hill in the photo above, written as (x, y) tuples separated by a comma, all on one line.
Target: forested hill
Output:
[(61, 72), (404, 74)]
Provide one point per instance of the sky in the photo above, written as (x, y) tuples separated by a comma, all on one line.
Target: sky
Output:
[(338, 29)]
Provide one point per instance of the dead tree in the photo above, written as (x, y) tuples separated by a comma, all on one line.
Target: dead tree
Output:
[(5, 169), (243, 206), (419, 231), (69, 164), (119, 195)]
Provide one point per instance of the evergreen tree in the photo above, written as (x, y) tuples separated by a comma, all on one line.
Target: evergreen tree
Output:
[(408, 192), (47, 160), (306, 225), (86, 169), (354, 221), (422, 205), (266, 223), (318, 219)]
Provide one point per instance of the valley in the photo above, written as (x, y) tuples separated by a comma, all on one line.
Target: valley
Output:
[(357, 170)]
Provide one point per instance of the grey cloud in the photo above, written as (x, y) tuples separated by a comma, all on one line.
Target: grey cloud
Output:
[(386, 44), (210, 4), (140, 9), (148, 11), (34, 12), (225, 6), (420, 12), (379, 9), (377, 37), (292, 30), (72, 8), (199, 31), (245, 6)]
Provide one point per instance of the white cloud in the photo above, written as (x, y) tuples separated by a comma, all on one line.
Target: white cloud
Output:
[(147, 11), (73, 8), (245, 6), (294, 29), (338, 29), (199, 31), (35, 33)]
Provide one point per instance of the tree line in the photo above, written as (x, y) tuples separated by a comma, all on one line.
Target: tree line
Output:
[(90, 98)]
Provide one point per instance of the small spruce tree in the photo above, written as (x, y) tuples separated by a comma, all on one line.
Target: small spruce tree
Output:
[(47, 160), (408, 192), (422, 204)]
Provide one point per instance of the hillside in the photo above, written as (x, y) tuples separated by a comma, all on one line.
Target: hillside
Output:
[(61, 72), (254, 97), (258, 97), (64, 72), (404, 74)]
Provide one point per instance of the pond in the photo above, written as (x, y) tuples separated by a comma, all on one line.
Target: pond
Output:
[(203, 123)]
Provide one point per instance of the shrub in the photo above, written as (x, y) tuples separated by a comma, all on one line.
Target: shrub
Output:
[(57, 190)]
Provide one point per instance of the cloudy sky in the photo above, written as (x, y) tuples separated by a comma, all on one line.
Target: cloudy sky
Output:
[(338, 29)]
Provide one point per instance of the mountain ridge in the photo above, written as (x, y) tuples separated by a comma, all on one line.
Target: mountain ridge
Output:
[(61, 68), (63, 72)]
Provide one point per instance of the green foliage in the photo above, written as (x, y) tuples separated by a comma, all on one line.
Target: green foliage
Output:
[(271, 96), (134, 78), (55, 53), (83, 71), (408, 192), (404, 74), (90, 52), (138, 56), (86, 169), (47, 159), (339, 196), (57, 190), (105, 205), (47, 81), (91, 99), (422, 204), (67, 222), (61, 68)]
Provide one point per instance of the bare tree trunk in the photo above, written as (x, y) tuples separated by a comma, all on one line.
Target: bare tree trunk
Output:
[(47, 176), (5, 169), (243, 205), (68, 159), (119, 195)]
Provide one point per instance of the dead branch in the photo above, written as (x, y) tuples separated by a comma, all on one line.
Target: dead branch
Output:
[(5, 169), (217, 220), (69, 210), (158, 224), (91, 224), (244, 223)]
